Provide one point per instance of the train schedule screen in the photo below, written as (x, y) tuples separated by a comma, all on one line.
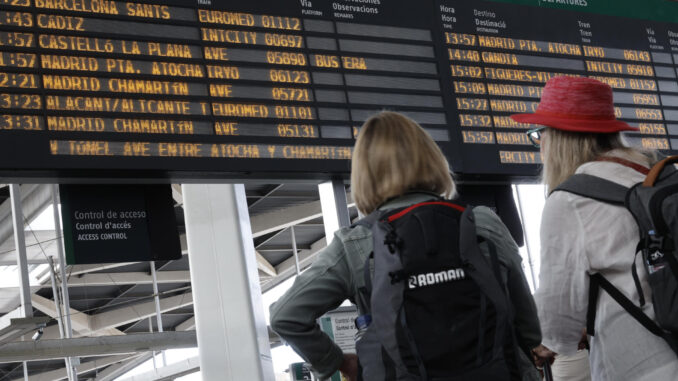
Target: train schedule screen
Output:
[(216, 89)]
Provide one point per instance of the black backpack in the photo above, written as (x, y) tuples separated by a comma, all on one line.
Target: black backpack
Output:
[(439, 310), (654, 205)]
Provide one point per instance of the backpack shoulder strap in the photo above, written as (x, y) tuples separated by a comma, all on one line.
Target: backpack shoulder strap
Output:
[(365, 292), (597, 281), (594, 187), (368, 220), (482, 272)]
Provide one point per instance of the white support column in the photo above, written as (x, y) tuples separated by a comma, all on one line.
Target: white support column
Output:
[(20, 246), (231, 329), (334, 207), (21, 258)]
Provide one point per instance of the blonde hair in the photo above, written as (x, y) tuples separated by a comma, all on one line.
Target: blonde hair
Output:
[(564, 151), (393, 155)]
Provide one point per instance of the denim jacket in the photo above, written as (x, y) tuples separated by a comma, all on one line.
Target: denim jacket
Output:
[(337, 275)]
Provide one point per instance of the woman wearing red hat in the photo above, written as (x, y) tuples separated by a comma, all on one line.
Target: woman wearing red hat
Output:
[(581, 236)]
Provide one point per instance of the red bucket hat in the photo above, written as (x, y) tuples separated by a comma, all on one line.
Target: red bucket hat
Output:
[(576, 104)]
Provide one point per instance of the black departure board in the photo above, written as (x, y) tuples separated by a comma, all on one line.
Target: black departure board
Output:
[(214, 89)]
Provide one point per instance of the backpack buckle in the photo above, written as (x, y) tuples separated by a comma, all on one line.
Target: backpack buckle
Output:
[(655, 243), (397, 276), (392, 241)]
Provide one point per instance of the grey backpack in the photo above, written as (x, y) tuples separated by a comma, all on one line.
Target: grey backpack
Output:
[(439, 310), (654, 205)]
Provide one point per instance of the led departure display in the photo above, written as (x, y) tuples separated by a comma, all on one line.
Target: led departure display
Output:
[(230, 89)]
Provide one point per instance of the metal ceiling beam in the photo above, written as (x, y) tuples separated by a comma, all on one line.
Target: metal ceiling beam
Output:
[(283, 248), (131, 278), (265, 266), (81, 321), (288, 267), (186, 325), (308, 195), (52, 332), (95, 346), (123, 293), (282, 218), (271, 237), (114, 371), (117, 370), (106, 322), (34, 198), (21, 327), (169, 372), (60, 374), (6, 318), (264, 196), (131, 314), (306, 258), (83, 269), (129, 289), (269, 222), (30, 262)]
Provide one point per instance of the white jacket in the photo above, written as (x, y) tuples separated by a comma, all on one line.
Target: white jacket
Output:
[(580, 236)]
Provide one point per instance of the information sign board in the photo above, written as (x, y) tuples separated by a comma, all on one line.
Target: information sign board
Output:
[(215, 89)]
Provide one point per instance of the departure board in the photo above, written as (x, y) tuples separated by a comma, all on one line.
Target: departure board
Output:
[(216, 89)]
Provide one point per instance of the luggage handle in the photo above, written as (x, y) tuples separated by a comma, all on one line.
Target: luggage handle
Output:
[(548, 375), (657, 169)]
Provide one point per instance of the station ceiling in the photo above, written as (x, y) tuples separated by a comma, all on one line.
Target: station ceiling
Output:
[(117, 299)]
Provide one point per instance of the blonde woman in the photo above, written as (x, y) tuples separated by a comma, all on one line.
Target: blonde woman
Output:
[(395, 164), (581, 236)]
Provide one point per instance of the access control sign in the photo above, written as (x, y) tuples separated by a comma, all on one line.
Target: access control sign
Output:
[(119, 223)]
